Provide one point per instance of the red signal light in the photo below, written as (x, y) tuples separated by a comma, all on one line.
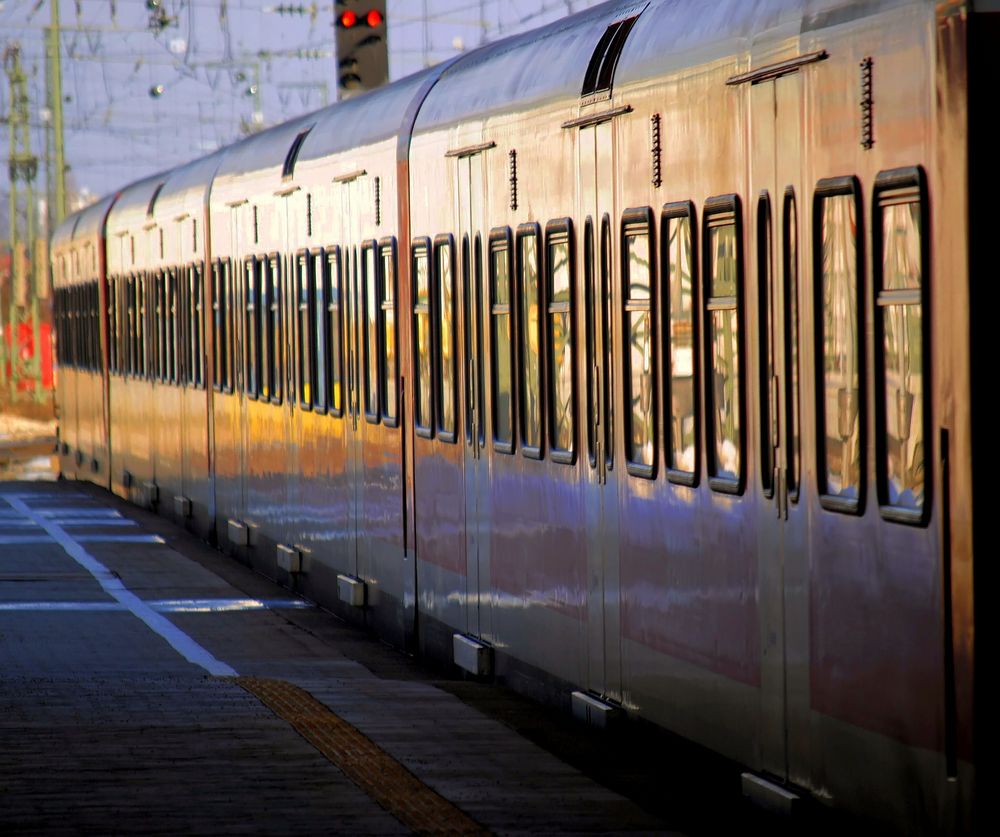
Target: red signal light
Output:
[(374, 18), (348, 19)]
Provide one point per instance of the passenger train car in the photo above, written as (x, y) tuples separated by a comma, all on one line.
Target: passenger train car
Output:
[(628, 361)]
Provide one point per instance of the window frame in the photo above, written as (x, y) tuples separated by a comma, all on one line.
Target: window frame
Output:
[(251, 328), (669, 212), (387, 246), (333, 272), (557, 231), (828, 188), (724, 205), (526, 230), (504, 236), (421, 247), (445, 240), (791, 274), (634, 219), (274, 316), (305, 348), (371, 402), (907, 182)]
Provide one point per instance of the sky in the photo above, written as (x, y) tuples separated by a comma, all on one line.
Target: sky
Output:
[(206, 57)]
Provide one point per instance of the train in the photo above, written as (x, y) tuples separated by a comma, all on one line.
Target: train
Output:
[(628, 362)]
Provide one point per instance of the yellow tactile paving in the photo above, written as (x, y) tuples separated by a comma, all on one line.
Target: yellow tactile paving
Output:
[(378, 774)]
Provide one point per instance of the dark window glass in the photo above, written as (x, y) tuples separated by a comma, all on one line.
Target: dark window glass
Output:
[(229, 318), (723, 271), (791, 274), (275, 328), (680, 285), (319, 338), (423, 341), (444, 268), (503, 342), (530, 327), (899, 307), (264, 327), (387, 326), (172, 320), (840, 357), (765, 344), (112, 324), (198, 324), (369, 292), (335, 369), (562, 429), (639, 355)]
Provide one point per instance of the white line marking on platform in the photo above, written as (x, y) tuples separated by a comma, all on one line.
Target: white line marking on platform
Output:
[(91, 521), (89, 537), (69, 511), (112, 585), (164, 606)]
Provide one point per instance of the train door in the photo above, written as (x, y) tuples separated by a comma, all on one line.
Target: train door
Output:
[(597, 212), (471, 227), (353, 326), (775, 191)]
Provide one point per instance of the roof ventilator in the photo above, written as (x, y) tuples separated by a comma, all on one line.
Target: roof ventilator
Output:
[(293, 153), (601, 70)]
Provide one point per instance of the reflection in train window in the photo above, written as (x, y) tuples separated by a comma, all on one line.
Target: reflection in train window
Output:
[(369, 297), (502, 341), (637, 336), (791, 299), (198, 273), (530, 328), (387, 330), (274, 327), (112, 324), (900, 266), (230, 314), (305, 339), (172, 321), (838, 325), (317, 337), (559, 297), (264, 324), (444, 270), (423, 341), (330, 353), (250, 329), (723, 358), (679, 288)]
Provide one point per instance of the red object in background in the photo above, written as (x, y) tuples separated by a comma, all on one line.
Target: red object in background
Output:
[(374, 18), (26, 349), (348, 19)]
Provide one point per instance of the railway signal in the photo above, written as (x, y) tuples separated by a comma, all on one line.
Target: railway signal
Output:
[(362, 54)]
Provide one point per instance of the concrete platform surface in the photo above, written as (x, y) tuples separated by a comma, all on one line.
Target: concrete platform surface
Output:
[(150, 685)]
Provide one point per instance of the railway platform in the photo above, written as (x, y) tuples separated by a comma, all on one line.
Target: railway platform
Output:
[(149, 684)]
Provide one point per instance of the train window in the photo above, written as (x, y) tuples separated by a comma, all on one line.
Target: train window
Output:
[(160, 325), (198, 324), (422, 340), (305, 340), (560, 269), (592, 296), (143, 369), (765, 345), (638, 342), (901, 291), (723, 276), (790, 271), (469, 355), (529, 257), (387, 330), (370, 349), (230, 315), (680, 287), (272, 312), (837, 268), (444, 276), (218, 327), (331, 353), (129, 282), (317, 329), (112, 325), (183, 276), (502, 340), (251, 374), (173, 320)]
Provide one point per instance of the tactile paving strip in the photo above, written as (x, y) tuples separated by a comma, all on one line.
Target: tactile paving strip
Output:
[(389, 783)]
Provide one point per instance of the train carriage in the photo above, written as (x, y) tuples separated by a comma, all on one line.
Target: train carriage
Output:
[(627, 361)]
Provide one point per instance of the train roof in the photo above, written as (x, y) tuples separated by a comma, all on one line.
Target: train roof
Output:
[(366, 119), (527, 70), (88, 221), (673, 34), (187, 186), (133, 203)]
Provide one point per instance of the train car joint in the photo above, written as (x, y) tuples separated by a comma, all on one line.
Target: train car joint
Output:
[(594, 711), (289, 559), (351, 590), (769, 795), (472, 655), (182, 506)]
